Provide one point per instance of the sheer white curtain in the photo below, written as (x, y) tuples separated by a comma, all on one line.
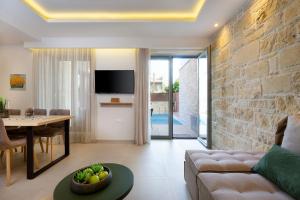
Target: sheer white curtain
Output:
[(142, 135), (63, 80)]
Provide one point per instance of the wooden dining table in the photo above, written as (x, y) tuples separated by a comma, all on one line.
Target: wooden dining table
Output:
[(35, 121)]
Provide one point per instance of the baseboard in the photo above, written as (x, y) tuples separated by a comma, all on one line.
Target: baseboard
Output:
[(115, 141)]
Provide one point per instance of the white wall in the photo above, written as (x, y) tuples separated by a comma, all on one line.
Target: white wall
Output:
[(16, 60), (112, 123), (115, 123)]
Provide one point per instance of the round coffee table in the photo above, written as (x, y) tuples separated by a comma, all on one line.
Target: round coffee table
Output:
[(121, 184)]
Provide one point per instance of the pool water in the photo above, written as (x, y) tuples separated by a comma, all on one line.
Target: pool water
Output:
[(163, 119)]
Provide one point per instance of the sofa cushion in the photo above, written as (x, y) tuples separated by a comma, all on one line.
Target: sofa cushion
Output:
[(221, 161), (239, 186), (282, 167), (291, 139)]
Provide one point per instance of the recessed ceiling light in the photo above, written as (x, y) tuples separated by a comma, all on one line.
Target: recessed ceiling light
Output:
[(216, 25)]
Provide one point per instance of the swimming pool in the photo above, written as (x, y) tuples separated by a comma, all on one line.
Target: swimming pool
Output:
[(163, 119)]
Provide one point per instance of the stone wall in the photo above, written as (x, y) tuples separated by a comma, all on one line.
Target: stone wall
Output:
[(188, 92), (255, 74)]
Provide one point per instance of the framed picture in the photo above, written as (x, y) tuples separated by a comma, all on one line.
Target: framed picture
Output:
[(18, 81)]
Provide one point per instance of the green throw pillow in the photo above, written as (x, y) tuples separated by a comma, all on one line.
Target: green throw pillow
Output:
[(281, 167)]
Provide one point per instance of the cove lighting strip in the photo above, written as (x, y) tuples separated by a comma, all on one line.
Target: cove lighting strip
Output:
[(114, 16)]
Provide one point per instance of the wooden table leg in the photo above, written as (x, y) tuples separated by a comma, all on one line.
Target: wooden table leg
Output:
[(67, 137), (31, 174), (8, 166), (30, 146)]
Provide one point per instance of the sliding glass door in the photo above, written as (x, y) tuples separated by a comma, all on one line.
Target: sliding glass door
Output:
[(179, 97), (185, 97), (204, 101), (159, 74)]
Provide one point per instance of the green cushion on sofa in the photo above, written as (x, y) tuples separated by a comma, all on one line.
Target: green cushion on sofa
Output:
[(281, 167)]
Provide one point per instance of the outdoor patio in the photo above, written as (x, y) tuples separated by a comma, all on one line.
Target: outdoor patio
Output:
[(159, 126)]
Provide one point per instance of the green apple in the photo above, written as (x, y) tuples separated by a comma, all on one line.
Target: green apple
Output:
[(103, 174), (88, 171), (93, 179)]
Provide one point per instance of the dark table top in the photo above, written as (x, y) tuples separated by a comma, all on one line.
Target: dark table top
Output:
[(121, 184)]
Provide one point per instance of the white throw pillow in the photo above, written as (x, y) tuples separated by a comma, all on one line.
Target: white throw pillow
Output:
[(291, 139)]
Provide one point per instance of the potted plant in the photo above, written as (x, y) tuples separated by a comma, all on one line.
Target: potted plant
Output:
[(3, 111)]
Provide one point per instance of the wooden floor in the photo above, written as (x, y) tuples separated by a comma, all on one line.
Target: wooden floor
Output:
[(157, 168)]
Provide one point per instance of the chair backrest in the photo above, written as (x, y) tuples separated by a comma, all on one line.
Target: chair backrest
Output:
[(4, 139), (59, 112), (38, 111), (29, 112), (14, 111), (60, 125)]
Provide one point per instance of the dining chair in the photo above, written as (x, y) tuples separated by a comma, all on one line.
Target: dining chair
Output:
[(7, 145), (39, 112), (17, 132), (14, 131), (14, 111), (54, 129)]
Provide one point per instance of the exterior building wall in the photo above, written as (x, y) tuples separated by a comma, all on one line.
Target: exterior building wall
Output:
[(188, 93), (255, 74)]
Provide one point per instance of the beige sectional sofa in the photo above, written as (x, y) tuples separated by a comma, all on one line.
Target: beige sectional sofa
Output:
[(226, 175)]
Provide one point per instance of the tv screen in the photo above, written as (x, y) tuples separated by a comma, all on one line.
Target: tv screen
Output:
[(114, 81)]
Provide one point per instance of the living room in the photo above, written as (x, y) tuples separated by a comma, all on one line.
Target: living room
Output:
[(142, 100)]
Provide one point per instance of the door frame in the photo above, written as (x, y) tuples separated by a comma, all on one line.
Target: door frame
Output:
[(170, 94), (208, 142), (170, 99)]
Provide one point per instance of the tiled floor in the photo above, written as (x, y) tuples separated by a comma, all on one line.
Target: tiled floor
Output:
[(157, 168)]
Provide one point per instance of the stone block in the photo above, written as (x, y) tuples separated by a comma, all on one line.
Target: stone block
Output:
[(287, 104), (220, 73), (224, 37), (221, 105), (222, 56), (289, 57), (244, 114), (292, 11), (262, 121), (242, 24), (246, 54), (273, 65), (268, 8), (263, 103), (228, 90), (257, 70), (296, 81), (277, 40), (250, 91), (232, 73), (272, 23), (276, 84)]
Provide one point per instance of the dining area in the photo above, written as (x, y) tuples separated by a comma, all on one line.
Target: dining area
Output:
[(36, 135)]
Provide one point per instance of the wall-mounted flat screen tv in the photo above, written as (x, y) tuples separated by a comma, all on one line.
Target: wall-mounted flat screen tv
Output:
[(114, 81)]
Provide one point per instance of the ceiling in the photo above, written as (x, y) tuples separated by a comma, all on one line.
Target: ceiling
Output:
[(116, 10), (12, 36), (130, 33), (115, 5)]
